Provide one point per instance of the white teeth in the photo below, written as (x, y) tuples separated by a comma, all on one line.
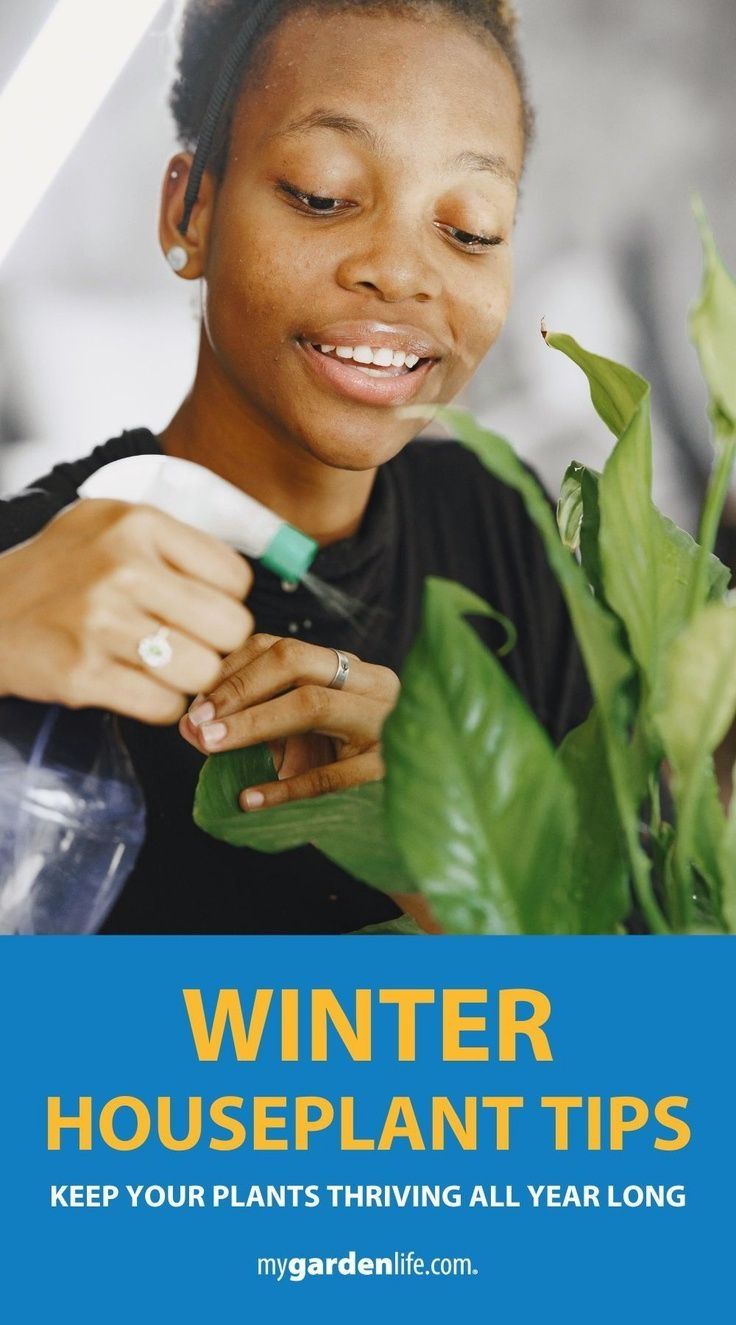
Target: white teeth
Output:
[(381, 357)]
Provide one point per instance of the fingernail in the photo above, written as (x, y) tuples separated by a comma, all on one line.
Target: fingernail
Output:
[(252, 800), (213, 733), (201, 712)]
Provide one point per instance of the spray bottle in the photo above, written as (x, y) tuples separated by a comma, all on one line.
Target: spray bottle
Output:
[(72, 816)]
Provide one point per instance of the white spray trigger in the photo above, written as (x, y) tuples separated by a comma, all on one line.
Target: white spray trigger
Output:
[(195, 495)]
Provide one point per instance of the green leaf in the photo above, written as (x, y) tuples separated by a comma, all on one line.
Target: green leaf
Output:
[(699, 699), (570, 507), (648, 564), (627, 522), (647, 572), (683, 556), (709, 833), (347, 826), (694, 881), (579, 505), (401, 925), (600, 866), (477, 803), (697, 708), (610, 670), (727, 860), (616, 391), (580, 490), (713, 329)]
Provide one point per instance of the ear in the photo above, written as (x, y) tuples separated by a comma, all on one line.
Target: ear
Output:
[(195, 242)]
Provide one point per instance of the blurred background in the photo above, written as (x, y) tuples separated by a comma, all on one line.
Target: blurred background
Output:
[(636, 109)]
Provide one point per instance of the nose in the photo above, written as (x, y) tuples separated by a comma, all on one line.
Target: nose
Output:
[(389, 258)]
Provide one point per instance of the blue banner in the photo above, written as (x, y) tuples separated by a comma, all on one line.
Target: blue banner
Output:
[(529, 1129)]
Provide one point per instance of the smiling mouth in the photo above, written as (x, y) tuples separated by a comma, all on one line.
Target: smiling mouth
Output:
[(382, 362), (367, 375)]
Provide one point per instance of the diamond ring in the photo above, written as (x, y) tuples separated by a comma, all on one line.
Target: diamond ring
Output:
[(155, 650)]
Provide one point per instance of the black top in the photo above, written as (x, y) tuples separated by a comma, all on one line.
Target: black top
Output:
[(434, 510)]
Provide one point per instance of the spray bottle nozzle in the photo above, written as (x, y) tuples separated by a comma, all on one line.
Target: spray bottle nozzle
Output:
[(290, 553), (202, 499)]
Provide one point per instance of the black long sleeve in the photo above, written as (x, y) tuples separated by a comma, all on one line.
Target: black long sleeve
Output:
[(434, 510)]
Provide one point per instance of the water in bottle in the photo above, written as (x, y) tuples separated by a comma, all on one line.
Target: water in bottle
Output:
[(72, 818)]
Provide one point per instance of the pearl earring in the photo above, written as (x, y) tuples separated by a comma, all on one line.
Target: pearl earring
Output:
[(177, 258)]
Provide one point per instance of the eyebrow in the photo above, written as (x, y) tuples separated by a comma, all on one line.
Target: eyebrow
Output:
[(490, 162), (328, 119)]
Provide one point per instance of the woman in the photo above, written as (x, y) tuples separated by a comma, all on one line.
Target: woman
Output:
[(350, 211)]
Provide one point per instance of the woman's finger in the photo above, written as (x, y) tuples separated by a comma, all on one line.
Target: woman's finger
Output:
[(197, 555), (202, 709), (245, 655), (366, 767), (284, 665), (353, 719), (188, 667), (196, 609), (130, 692)]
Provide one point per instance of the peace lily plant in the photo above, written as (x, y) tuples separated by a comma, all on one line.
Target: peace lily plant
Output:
[(501, 832)]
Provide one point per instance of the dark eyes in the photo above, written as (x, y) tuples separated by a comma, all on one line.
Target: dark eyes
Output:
[(313, 201), (314, 204), (467, 239)]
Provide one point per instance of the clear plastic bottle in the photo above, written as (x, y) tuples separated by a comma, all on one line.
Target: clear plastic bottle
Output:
[(72, 818)]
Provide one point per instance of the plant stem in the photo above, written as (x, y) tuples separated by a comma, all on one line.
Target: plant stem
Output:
[(645, 896), (655, 818), (639, 865), (715, 498), (712, 511)]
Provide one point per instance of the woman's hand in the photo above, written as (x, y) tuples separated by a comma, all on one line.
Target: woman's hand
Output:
[(278, 691), (77, 600)]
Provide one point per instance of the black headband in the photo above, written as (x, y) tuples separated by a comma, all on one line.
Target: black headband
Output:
[(215, 106)]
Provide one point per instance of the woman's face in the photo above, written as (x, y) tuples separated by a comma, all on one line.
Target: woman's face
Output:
[(368, 201)]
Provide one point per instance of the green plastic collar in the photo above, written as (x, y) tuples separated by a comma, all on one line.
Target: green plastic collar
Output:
[(290, 553)]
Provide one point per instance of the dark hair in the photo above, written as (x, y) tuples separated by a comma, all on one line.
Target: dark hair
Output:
[(219, 40)]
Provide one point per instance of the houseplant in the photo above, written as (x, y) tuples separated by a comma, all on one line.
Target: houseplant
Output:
[(501, 832)]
